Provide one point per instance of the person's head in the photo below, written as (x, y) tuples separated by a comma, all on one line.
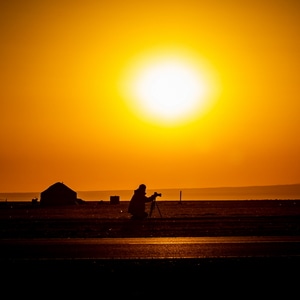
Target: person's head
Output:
[(142, 187)]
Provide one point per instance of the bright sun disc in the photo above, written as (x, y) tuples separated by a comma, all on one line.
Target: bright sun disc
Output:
[(168, 89)]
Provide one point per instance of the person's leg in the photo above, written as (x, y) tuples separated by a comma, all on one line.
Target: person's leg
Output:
[(141, 216), (136, 217)]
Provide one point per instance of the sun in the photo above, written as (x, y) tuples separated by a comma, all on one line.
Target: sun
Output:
[(168, 88)]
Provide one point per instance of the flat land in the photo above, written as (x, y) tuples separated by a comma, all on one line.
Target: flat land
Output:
[(153, 278), (169, 219)]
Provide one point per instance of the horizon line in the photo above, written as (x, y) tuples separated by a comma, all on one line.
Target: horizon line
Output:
[(182, 188)]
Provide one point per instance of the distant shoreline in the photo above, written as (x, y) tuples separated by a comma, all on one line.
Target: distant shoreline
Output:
[(272, 192), (26, 203), (291, 191)]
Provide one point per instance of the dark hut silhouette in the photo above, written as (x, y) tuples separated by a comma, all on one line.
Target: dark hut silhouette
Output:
[(58, 194)]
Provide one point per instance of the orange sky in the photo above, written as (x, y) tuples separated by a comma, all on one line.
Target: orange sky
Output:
[(65, 118)]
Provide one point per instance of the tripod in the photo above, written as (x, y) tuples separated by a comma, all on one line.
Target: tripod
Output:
[(152, 207)]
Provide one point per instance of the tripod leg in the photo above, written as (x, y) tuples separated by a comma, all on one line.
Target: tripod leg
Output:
[(158, 210), (151, 208)]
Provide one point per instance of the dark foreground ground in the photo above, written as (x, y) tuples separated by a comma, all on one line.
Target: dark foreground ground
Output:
[(169, 219), (155, 277)]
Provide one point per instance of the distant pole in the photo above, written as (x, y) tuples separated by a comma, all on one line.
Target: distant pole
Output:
[(180, 193)]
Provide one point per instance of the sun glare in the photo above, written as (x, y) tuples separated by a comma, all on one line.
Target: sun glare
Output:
[(168, 89)]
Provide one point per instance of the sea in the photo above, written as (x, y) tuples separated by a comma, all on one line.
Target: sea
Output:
[(270, 192)]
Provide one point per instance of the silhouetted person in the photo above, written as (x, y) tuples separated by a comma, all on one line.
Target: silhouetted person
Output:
[(137, 203)]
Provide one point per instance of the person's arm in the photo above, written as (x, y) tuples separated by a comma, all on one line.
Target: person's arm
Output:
[(150, 199)]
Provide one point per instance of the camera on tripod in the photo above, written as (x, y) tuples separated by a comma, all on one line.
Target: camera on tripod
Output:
[(153, 204)]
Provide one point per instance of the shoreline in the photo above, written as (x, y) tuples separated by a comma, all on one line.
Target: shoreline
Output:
[(284, 191), (100, 201)]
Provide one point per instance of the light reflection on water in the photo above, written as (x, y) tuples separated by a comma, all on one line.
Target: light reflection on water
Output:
[(196, 240)]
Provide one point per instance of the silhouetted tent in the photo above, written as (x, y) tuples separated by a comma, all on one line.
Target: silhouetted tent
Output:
[(58, 194)]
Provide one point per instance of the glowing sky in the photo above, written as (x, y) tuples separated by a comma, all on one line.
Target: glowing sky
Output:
[(66, 117)]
